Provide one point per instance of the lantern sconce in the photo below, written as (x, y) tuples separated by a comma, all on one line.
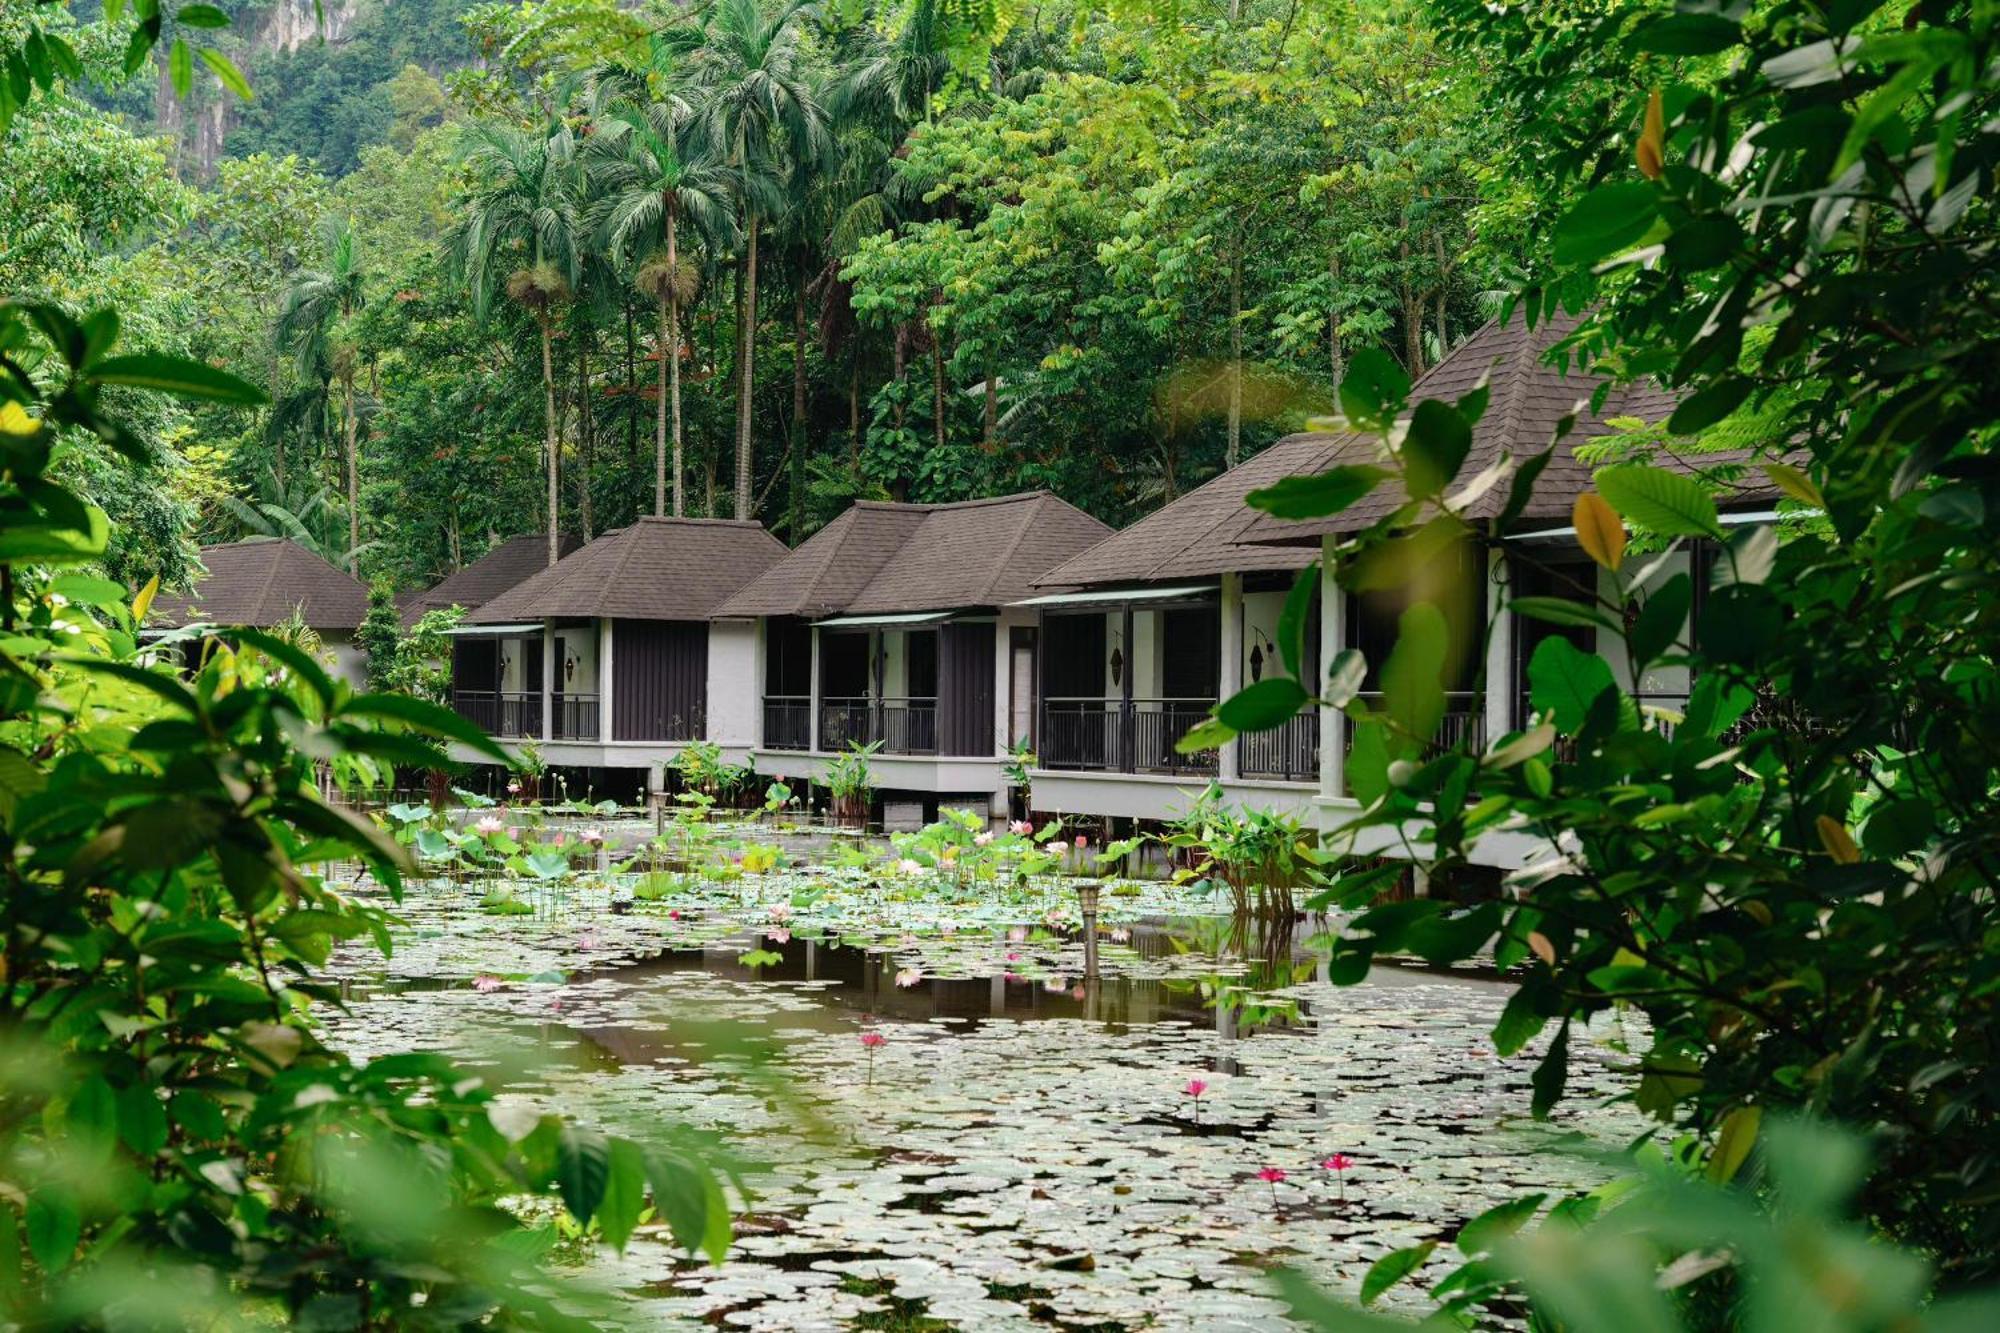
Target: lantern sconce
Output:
[(1257, 654), (1117, 667)]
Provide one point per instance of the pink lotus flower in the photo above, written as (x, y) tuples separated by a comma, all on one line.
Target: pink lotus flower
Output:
[(591, 835), (1195, 1087), (514, 832), (780, 912), (486, 985), (673, 914), (870, 1041), (513, 789), (982, 839), (1021, 828), (488, 826), (1013, 957), (909, 977), (1017, 933), (1121, 936), (910, 867), (1079, 994), (779, 936), (1338, 1164), (1271, 1175), (1081, 842), (587, 940)]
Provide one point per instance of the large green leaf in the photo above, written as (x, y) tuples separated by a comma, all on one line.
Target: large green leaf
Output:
[(427, 717), (1671, 504), (1319, 496), (624, 1193), (1373, 389), (1435, 447), (1264, 705), (1392, 1268), (1609, 219), (1413, 677), (1563, 680), (179, 376), (583, 1170)]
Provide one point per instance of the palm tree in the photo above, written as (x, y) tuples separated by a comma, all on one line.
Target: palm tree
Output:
[(316, 325), (757, 110), (524, 212), (648, 180)]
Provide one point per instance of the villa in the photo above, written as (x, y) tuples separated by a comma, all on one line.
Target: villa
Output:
[(893, 626), (1145, 632), (615, 657), (263, 582)]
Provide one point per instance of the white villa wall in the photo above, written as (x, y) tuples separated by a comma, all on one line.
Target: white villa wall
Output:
[(895, 663), (1658, 680), (733, 665), (579, 644), (1260, 631)]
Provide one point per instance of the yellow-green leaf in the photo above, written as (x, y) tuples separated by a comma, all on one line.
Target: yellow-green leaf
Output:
[(1839, 843), (1733, 1144), (1795, 483), (1599, 530)]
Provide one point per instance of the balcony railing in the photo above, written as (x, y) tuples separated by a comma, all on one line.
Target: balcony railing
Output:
[(500, 712), (575, 717), (1290, 753), (1112, 736), (902, 724), (787, 722)]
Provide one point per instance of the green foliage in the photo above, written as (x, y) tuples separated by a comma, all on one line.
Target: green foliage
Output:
[(1667, 1252), (1792, 876), (381, 634)]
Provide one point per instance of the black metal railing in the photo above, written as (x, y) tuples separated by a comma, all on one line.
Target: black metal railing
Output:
[(575, 717), (1116, 736), (788, 722), (508, 713), (1289, 753), (904, 724)]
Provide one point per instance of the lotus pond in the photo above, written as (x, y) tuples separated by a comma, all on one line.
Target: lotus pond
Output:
[(942, 1123)]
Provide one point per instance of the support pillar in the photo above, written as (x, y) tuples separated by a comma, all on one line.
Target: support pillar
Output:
[(1332, 642), (812, 696), (1229, 765), (604, 679), (1499, 650), (549, 668)]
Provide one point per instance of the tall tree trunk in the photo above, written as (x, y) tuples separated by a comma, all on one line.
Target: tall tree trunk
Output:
[(670, 364), (797, 506), (746, 355), (1234, 454), (659, 429), (631, 386), (549, 417), (353, 482), (586, 437)]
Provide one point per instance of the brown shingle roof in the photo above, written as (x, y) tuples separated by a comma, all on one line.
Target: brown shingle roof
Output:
[(1195, 535), (1529, 397), (882, 559), (506, 565), (657, 569), (259, 582)]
